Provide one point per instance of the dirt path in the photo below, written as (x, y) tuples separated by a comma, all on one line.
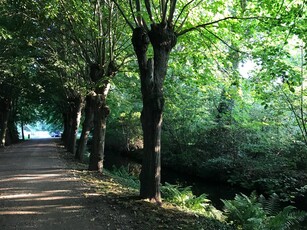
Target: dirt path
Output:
[(37, 191)]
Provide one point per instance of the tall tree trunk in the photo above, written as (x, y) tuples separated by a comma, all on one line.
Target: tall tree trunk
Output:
[(101, 112), (22, 131), (68, 131), (65, 128), (75, 117), (100, 118), (152, 74), (5, 110), (87, 125), (12, 133)]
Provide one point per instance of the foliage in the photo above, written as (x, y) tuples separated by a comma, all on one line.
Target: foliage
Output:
[(125, 176), (257, 142), (258, 213), (185, 198), (124, 132)]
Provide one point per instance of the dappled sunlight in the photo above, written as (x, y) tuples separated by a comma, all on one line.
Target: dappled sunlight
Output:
[(36, 196), (30, 177), (30, 201), (36, 185), (41, 209), (18, 212)]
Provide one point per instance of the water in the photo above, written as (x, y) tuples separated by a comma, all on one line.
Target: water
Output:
[(215, 191)]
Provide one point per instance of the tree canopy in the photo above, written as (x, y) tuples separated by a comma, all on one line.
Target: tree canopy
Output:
[(227, 77)]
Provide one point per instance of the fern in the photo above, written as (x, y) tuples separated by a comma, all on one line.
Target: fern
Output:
[(271, 205), (245, 211), (286, 218), (185, 198), (251, 213), (123, 174)]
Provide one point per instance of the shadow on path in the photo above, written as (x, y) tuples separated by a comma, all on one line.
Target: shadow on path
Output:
[(38, 192)]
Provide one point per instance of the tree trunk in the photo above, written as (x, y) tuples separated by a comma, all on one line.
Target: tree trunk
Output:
[(75, 117), (100, 75), (5, 110), (22, 131), (65, 128), (12, 133), (87, 125), (100, 118), (152, 74)]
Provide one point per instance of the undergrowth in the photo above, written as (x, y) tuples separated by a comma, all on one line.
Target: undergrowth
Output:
[(122, 173), (184, 198), (243, 213), (258, 213)]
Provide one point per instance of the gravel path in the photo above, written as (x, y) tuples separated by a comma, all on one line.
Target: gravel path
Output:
[(37, 191)]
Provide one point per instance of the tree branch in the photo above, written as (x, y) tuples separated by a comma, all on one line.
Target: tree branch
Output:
[(164, 10), (123, 14), (74, 38), (297, 118), (139, 18), (132, 12), (171, 11), (148, 8), (182, 10), (223, 41), (215, 22)]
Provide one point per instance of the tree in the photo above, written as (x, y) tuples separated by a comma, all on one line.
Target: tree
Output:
[(16, 54), (168, 21), (94, 28)]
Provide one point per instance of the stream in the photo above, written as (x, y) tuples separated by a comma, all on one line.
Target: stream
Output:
[(215, 191)]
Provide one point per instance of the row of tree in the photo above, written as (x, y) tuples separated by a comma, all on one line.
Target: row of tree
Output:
[(60, 58)]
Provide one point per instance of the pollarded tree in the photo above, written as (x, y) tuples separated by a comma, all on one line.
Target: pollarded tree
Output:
[(162, 36), (95, 28), (170, 19)]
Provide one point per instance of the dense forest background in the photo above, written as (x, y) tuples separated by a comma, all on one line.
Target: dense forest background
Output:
[(233, 95)]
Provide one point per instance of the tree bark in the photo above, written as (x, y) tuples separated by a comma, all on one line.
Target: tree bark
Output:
[(5, 111), (101, 76), (65, 128), (75, 117), (22, 131), (100, 118), (152, 74), (87, 125)]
